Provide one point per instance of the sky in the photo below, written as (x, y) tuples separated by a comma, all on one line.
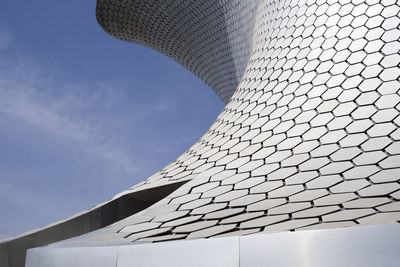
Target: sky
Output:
[(84, 116)]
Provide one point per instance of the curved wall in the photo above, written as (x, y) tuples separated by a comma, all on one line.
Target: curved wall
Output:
[(309, 138)]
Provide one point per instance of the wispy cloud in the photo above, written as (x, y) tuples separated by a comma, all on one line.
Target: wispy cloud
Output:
[(71, 111), (99, 115)]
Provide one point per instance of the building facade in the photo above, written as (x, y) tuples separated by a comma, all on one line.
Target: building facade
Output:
[(309, 137)]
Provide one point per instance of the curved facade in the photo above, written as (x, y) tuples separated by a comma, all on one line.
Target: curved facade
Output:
[(309, 137)]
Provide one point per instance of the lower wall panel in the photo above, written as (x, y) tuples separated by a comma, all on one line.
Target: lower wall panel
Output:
[(355, 246)]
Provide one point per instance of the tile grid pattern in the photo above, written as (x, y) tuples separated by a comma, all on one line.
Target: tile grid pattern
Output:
[(186, 30), (310, 137)]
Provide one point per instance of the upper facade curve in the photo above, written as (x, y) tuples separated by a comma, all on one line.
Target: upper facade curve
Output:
[(211, 38)]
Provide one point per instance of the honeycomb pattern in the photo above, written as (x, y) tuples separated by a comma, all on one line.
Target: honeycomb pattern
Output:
[(310, 136), (186, 30)]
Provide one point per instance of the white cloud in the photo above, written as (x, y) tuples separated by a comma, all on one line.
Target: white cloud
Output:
[(71, 111)]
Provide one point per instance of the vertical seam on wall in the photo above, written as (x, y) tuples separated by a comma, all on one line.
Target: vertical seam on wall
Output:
[(239, 249)]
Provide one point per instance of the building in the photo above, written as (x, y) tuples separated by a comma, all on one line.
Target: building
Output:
[(309, 139)]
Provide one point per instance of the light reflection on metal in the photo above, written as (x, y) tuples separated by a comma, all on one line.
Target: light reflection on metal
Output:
[(366, 246)]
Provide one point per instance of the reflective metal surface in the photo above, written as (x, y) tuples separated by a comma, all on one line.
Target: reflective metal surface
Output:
[(355, 246)]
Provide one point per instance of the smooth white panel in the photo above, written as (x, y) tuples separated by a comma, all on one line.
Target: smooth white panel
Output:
[(356, 246), (220, 252), (72, 257)]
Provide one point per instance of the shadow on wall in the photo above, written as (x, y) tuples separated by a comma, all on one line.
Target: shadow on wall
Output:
[(13, 252)]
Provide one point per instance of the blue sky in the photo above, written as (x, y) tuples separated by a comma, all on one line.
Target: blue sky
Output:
[(83, 115)]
